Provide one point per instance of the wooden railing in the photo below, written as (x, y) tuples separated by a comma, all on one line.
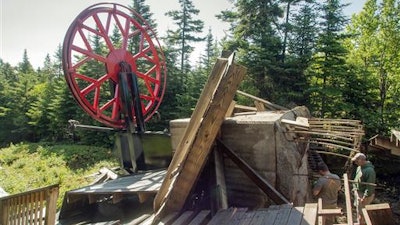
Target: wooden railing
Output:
[(37, 207)]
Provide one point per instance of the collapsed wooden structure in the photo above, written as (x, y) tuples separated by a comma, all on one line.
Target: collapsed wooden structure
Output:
[(391, 144)]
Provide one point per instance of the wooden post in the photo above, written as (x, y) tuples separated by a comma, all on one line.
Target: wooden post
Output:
[(348, 200), (222, 198)]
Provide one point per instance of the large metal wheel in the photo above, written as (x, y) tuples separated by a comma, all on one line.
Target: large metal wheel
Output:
[(98, 40)]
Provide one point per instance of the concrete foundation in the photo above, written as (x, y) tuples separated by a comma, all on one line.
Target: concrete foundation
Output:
[(260, 140)]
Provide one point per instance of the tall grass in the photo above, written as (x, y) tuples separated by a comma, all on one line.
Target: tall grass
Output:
[(25, 166)]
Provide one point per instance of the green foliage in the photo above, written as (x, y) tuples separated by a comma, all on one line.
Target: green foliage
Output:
[(375, 34), (293, 58), (28, 166), (188, 30), (328, 72)]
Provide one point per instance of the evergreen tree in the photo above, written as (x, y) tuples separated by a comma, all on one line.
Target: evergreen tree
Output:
[(57, 62), (258, 45), (301, 46), (25, 66), (375, 33), (187, 32), (143, 11), (328, 72)]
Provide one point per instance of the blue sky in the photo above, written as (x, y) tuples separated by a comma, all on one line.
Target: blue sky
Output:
[(39, 26)]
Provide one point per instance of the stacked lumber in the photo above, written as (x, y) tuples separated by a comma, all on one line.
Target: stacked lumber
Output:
[(331, 134)]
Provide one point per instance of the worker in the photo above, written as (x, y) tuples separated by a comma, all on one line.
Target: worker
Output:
[(364, 188), (327, 188)]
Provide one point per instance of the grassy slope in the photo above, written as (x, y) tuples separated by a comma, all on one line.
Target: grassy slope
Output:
[(28, 166)]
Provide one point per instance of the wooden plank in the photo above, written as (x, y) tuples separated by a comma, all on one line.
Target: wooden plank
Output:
[(148, 221), (221, 196), (246, 218), (348, 200), (270, 216), (366, 216), (236, 218), (243, 108), (190, 132), (320, 218), (296, 216), (141, 219), (184, 218), (283, 215), (380, 214), (51, 207), (149, 181), (231, 109), (310, 214), (193, 164), (258, 217), (260, 106), (167, 220), (224, 216), (201, 218), (263, 184), (268, 103)]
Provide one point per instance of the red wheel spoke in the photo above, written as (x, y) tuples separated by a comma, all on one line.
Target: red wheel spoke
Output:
[(125, 35), (94, 83), (85, 40), (103, 32), (89, 53), (91, 60)]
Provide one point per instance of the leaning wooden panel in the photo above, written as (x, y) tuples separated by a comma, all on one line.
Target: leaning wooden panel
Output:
[(212, 120), (194, 124), (173, 193)]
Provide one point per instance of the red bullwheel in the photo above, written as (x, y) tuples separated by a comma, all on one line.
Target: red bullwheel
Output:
[(97, 41)]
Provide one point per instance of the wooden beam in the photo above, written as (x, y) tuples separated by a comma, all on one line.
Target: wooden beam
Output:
[(263, 184), (245, 108), (348, 200), (268, 103), (222, 198), (190, 132), (260, 106), (191, 163), (366, 216), (229, 112)]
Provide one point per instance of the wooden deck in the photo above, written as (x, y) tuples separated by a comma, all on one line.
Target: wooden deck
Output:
[(274, 215), (141, 182), (143, 185)]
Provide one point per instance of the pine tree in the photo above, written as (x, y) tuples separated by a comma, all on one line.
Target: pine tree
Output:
[(301, 46), (187, 32), (258, 45), (328, 72), (25, 66)]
